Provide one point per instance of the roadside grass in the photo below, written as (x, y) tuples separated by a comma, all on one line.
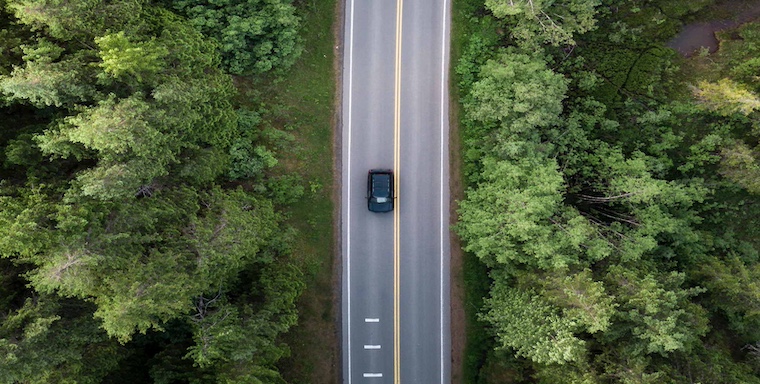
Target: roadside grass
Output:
[(478, 342), (301, 102), (308, 91)]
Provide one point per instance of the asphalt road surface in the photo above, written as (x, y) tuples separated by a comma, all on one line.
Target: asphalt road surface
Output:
[(396, 265)]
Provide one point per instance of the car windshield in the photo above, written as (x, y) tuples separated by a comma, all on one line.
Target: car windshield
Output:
[(381, 187)]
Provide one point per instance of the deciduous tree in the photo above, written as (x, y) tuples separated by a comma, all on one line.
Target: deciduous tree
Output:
[(552, 22)]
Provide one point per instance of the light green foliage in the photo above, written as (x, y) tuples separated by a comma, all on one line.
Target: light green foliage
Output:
[(607, 218), (727, 97), (631, 208), (733, 96), (477, 50), (255, 36), (44, 51), (115, 128), (656, 311), (517, 91), (66, 20), (228, 234), (123, 57), (532, 327), (131, 150), (741, 164), (507, 210), (540, 21), (631, 180), (581, 298), (140, 296), (516, 215), (551, 374)]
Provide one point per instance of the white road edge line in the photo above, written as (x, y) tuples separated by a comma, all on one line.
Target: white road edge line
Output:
[(373, 375), (443, 101), (371, 320), (371, 347), (348, 195)]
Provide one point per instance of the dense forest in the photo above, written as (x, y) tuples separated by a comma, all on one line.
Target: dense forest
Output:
[(613, 198), (142, 238)]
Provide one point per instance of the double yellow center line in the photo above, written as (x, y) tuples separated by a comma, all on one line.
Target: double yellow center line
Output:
[(396, 164)]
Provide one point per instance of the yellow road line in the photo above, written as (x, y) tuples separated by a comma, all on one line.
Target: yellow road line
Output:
[(396, 223)]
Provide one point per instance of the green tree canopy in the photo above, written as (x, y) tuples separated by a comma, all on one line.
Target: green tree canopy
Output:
[(540, 21), (508, 93), (255, 36)]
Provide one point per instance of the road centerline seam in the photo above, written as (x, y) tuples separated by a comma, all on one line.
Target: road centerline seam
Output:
[(396, 214)]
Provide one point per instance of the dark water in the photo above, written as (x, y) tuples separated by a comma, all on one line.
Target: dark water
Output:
[(697, 35)]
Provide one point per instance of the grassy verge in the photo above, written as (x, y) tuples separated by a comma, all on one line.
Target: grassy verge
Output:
[(474, 274), (301, 103), (308, 93)]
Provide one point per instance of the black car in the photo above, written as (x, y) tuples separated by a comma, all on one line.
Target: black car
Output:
[(380, 190)]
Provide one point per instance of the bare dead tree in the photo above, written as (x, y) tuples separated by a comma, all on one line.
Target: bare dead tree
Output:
[(203, 305)]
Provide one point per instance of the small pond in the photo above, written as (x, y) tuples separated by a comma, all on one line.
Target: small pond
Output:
[(695, 36)]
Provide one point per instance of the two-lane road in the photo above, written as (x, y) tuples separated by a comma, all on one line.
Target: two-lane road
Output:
[(396, 265)]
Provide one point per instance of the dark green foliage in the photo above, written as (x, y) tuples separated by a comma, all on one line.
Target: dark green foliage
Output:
[(254, 36), (123, 253), (478, 49), (249, 161), (47, 340), (285, 189)]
